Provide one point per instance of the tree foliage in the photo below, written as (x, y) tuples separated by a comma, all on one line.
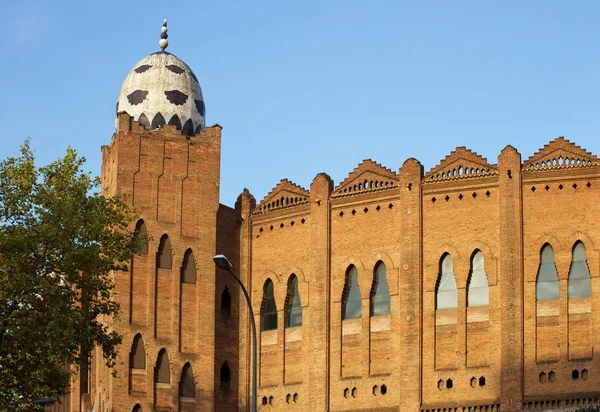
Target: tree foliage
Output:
[(60, 240)]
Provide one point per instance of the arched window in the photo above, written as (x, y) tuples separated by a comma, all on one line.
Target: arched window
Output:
[(268, 308), (446, 296), (351, 300), (188, 268), (137, 408), (478, 293), (579, 276), (380, 292), (293, 306), (225, 304), (162, 371), (187, 387), (141, 233), (225, 378), (137, 356), (163, 256), (547, 287)]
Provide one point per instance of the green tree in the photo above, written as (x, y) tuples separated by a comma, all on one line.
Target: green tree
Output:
[(60, 240)]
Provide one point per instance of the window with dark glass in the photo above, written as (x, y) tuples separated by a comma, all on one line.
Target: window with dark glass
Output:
[(225, 378), (162, 373), (188, 268), (580, 285), (141, 233), (225, 305), (163, 256), (380, 292), (478, 293), (446, 296), (351, 300), (293, 309), (547, 287), (187, 387), (137, 356), (268, 308)]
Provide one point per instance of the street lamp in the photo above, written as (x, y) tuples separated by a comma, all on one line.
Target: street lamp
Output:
[(223, 263)]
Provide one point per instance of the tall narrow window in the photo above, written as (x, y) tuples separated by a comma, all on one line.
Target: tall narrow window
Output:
[(293, 306), (478, 293), (579, 276), (380, 292), (547, 287), (225, 378), (225, 305), (188, 268), (446, 296), (268, 308), (141, 233), (137, 356), (351, 300), (187, 387), (163, 256), (162, 373)]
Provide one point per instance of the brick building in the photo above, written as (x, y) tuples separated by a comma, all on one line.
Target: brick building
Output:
[(471, 287)]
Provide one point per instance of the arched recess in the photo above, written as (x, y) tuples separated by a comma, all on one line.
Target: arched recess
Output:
[(293, 305), (380, 292), (446, 315), (162, 370), (144, 121), (137, 408), (580, 285), (187, 386), (351, 298), (225, 304), (188, 128), (188, 268), (137, 356), (478, 298), (164, 258), (580, 305), (547, 286), (158, 121), (547, 293), (225, 378), (268, 310), (477, 287), (174, 121), (446, 294), (141, 234)]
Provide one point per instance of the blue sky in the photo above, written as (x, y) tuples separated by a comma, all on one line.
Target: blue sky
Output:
[(312, 86)]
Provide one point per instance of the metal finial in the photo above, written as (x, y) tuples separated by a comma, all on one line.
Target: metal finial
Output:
[(163, 42)]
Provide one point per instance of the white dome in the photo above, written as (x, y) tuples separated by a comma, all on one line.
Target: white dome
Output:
[(162, 89)]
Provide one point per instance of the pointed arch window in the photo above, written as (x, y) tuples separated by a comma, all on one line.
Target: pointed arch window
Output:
[(351, 299), (225, 304), (162, 371), (293, 306), (547, 287), (268, 308), (580, 285), (446, 296), (164, 259), (187, 386), (137, 408), (478, 292), (188, 268), (137, 356), (141, 235), (380, 292), (225, 378)]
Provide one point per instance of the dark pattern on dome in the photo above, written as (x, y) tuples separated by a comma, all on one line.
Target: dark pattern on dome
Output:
[(175, 122), (176, 97), (142, 68), (200, 107), (188, 128), (175, 69), (158, 121), (143, 120), (194, 76), (117, 107), (137, 97)]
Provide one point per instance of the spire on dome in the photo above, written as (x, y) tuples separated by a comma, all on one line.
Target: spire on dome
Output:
[(163, 42)]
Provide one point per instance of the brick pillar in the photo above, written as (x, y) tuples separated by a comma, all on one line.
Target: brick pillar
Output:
[(511, 278), (409, 320), (244, 205), (320, 278)]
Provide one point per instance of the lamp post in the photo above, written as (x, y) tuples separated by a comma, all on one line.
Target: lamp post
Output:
[(223, 263)]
